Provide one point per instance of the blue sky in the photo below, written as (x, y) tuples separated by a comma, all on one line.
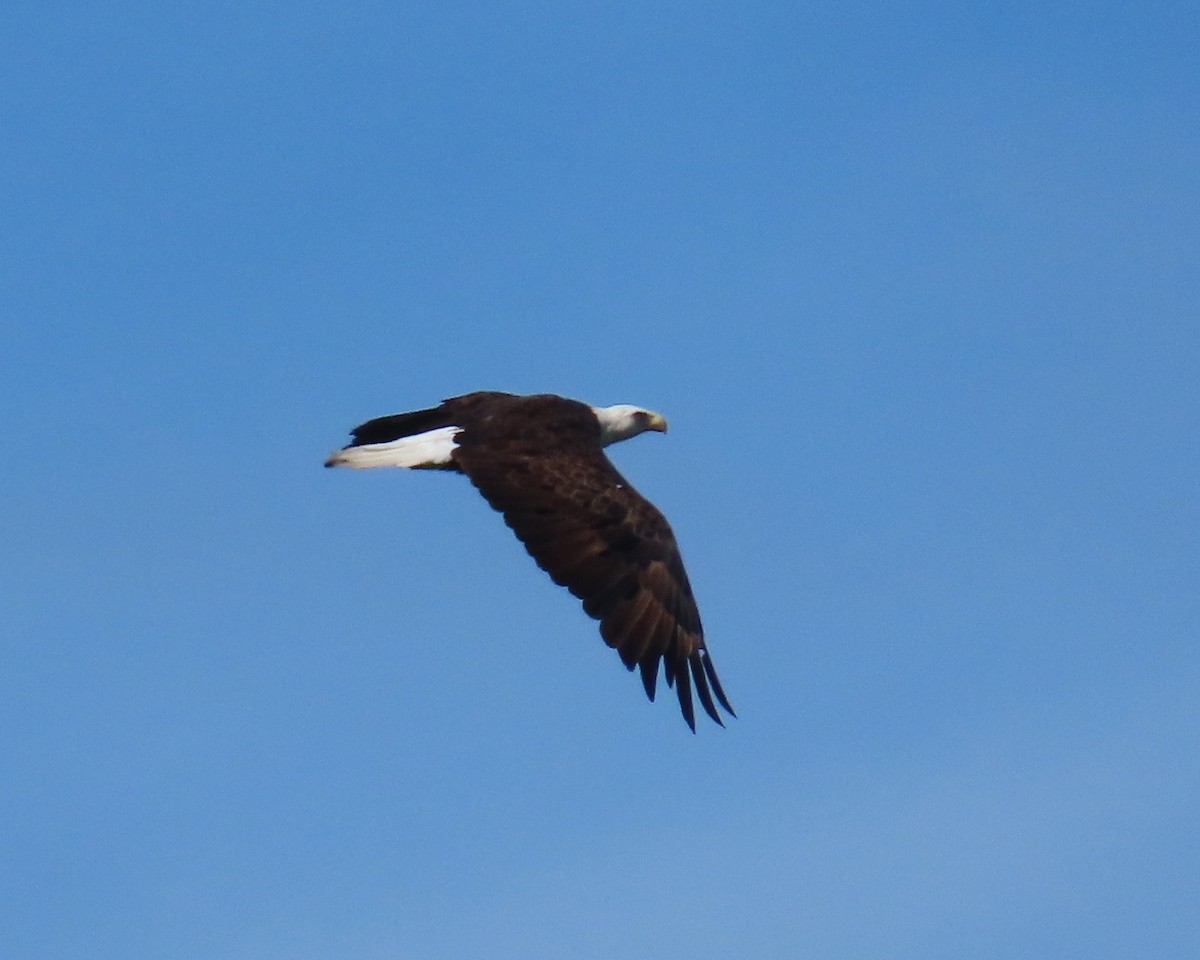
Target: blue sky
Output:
[(916, 287)]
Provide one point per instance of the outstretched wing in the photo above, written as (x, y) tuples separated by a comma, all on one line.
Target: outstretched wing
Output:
[(598, 537)]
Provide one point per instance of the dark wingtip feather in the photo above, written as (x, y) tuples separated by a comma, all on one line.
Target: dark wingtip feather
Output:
[(711, 671), (649, 668), (669, 670), (701, 684), (683, 689)]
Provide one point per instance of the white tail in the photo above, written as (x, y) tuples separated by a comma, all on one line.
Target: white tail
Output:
[(430, 451)]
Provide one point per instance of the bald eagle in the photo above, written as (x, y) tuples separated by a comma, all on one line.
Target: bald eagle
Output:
[(539, 460)]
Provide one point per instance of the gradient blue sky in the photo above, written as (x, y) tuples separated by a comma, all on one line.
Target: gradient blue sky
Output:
[(916, 285)]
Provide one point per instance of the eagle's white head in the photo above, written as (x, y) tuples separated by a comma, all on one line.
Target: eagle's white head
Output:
[(622, 421)]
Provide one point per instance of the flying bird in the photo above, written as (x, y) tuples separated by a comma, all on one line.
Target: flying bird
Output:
[(539, 460)]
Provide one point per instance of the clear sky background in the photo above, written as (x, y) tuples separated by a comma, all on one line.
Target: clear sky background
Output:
[(916, 286)]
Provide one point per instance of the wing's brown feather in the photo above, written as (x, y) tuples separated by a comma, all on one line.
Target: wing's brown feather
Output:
[(649, 671), (631, 626), (649, 631), (619, 625), (538, 460), (577, 558)]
